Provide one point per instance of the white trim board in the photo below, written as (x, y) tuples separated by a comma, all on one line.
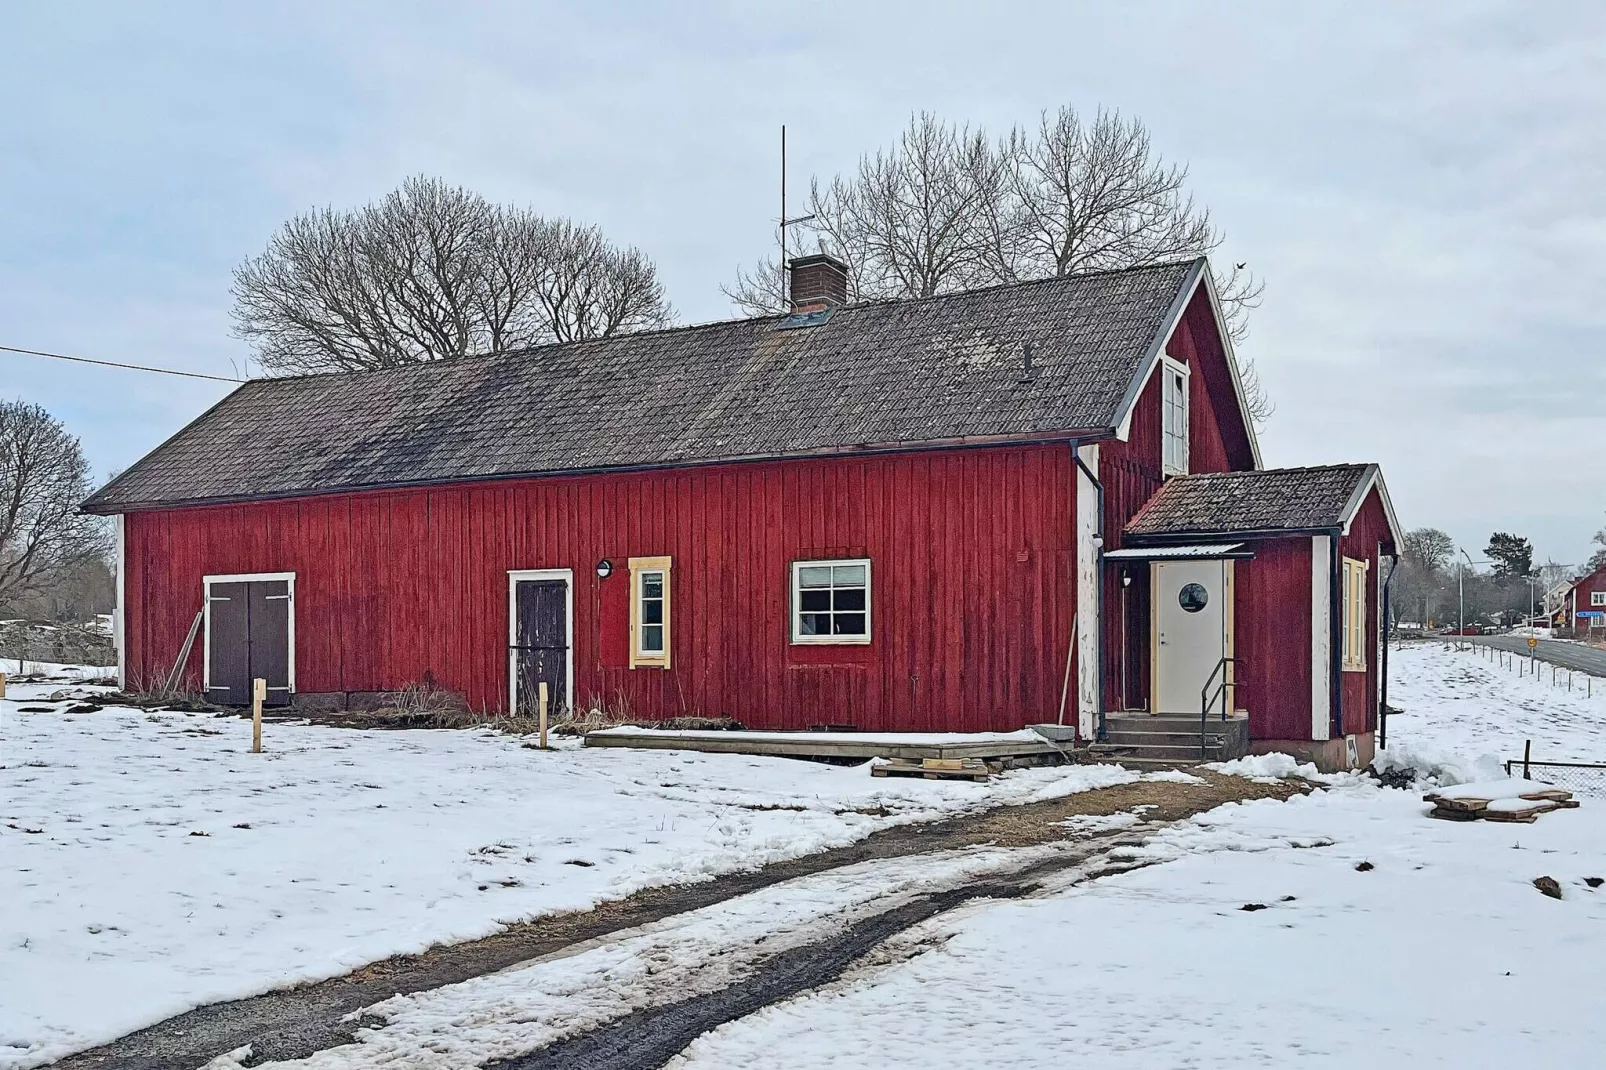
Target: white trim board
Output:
[(206, 617), (119, 612), (1089, 648), (514, 575), (1129, 402), (1321, 636), (1352, 508)]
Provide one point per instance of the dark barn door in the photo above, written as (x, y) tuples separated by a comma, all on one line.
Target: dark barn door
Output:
[(248, 636), (540, 644)]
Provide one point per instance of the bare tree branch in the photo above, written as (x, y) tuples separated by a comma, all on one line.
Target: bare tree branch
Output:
[(430, 272), (43, 478), (946, 209)]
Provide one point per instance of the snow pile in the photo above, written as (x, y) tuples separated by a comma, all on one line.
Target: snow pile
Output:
[(1286, 933), (1267, 768), (154, 864)]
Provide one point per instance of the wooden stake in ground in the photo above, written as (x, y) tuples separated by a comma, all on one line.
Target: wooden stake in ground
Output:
[(2, 685), (541, 700), (259, 691)]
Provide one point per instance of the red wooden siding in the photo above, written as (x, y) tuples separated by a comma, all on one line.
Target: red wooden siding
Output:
[(1220, 442), (1131, 474), (1272, 615), (972, 592), (1360, 690)]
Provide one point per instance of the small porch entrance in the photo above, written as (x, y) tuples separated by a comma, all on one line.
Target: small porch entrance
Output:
[(1178, 634)]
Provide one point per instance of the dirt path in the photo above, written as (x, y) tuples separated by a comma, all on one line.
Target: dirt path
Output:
[(295, 1022)]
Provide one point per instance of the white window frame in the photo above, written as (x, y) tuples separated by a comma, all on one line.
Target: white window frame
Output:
[(640, 567), (1174, 409), (1354, 614), (514, 575), (798, 638), (289, 579), (1596, 599)]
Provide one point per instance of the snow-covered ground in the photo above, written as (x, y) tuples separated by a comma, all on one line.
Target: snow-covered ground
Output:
[(1470, 713), (1442, 954), (1375, 935), (507, 1013), (55, 672), (1341, 929), (153, 864)]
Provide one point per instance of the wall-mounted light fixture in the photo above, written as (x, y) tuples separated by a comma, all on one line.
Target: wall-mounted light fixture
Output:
[(604, 569)]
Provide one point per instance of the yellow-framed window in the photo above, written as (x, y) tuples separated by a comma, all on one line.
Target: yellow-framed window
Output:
[(650, 612), (1354, 615)]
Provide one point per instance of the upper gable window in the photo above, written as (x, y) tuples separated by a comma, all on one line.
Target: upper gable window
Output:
[(1173, 417)]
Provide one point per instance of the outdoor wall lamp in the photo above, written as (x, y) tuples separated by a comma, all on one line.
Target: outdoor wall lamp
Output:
[(604, 569)]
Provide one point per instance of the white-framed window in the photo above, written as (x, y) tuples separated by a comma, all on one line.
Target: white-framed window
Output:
[(1173, 417), (1354, 615), (1597, 598), (831, 601), (649, 612)]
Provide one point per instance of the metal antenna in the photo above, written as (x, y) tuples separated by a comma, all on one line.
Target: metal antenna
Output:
[(785, 222)]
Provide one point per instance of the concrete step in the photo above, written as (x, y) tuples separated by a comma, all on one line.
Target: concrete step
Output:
[(1170, 752), (1160, 736), (1154, 764)]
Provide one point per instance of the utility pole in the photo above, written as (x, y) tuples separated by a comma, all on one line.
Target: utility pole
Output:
[(1461, 601)]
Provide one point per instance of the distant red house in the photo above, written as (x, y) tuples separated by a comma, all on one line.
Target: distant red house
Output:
[(1581, 606), (1031, 503)]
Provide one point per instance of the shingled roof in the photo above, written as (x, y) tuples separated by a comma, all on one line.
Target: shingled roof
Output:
[(886, 375), (1269, 500)]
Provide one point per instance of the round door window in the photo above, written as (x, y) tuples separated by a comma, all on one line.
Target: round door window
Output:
[(1193, 597)]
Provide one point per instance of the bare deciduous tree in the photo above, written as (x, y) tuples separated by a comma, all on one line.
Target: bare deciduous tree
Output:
[(1429, 548), (1597, 559), (43, 478), (947, 209), (434, 271)]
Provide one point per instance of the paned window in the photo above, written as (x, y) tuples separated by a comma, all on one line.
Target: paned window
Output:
[(649, 612), (1354, 615), (1174, 417), (831, 601), (1597, 598)]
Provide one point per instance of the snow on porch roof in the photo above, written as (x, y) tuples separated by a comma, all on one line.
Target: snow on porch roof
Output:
[(1202, 551)]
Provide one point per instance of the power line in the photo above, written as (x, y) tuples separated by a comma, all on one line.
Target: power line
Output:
[(115, 364)]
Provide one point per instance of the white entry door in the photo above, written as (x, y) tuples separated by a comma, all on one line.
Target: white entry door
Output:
[(1192, 630)]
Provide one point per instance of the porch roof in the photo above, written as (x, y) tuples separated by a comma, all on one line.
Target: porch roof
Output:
[(1190, 552), (1269, 502)]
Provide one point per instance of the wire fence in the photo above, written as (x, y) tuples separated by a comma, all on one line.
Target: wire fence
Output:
[(1573, 681), (1588, 778)]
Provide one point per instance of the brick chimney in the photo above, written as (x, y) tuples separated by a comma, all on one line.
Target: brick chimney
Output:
[(818, 281)]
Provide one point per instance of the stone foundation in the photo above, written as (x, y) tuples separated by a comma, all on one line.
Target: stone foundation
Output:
[(1328, 755)]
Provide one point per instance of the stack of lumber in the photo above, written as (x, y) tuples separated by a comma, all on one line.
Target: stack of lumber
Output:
[(1498, 800), (933, 768)]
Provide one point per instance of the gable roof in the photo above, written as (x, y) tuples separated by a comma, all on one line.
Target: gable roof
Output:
[(900, 374), (1273, 500)]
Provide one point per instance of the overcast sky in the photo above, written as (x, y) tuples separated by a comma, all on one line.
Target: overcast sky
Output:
[(1423, 193)]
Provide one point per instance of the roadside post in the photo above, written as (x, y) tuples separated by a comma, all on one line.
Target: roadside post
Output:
[(541, 701), (259, 692)]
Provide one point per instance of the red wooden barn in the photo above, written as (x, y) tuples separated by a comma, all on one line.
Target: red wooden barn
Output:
[(1030, 503)]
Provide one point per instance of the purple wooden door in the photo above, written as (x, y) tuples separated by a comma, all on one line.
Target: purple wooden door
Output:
[(541, 644)]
